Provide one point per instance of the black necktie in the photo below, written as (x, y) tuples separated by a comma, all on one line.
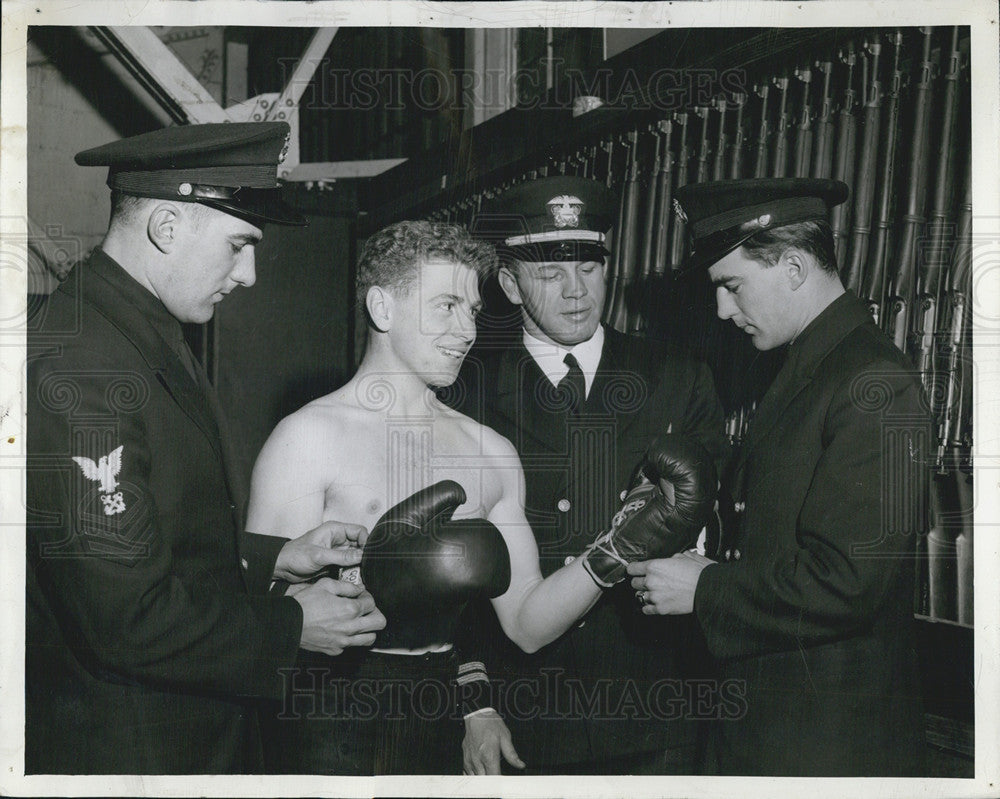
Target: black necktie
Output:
[(573, 387)]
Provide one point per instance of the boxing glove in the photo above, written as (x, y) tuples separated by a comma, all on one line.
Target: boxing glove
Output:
[(648, 524), (422, 567)]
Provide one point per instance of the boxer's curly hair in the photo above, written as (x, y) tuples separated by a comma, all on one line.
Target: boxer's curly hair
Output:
[(392, 257)]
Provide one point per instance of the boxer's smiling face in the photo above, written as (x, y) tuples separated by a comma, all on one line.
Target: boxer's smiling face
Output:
[(434, 323), (561, 301)]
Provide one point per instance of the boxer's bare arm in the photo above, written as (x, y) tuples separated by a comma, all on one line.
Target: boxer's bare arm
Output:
[(287, 490), (533, 612)]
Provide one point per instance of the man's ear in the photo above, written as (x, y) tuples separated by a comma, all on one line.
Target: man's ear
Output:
[(379, 303), (163, 225), (797, 265), (508, 282)]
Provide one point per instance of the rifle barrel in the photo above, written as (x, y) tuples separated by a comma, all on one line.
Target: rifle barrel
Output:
[(864, 176), (913, 219), (804, 131), (873, 290), (847, 134), (823, 139)]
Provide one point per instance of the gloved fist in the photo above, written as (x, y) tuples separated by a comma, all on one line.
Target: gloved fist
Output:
[(422, 567), (686, 466), (649, 525)]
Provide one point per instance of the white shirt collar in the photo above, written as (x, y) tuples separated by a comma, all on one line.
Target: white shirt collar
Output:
[(549, 357)]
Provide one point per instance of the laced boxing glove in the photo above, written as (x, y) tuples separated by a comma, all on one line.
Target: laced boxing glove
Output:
[(649, 525), (422, 567)]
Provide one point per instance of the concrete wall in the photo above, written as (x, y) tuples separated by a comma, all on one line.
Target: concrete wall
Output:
[(65, 202)]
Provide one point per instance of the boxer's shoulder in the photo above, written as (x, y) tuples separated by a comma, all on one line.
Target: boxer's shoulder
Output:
[(324, 425), (476, 437)]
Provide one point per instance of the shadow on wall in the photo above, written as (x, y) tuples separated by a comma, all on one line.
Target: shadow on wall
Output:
[(84, 68), (303, 389)]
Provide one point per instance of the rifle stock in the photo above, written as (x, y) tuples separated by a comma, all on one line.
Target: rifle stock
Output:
[(957, 412), (953, 496)]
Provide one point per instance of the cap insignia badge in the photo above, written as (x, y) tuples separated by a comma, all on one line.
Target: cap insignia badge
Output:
[(565, 210), (679, 212), (104, 472), (762, 221)]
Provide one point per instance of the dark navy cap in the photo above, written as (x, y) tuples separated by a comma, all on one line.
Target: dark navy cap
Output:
[(230, 166), (723, 214), (561, 218)]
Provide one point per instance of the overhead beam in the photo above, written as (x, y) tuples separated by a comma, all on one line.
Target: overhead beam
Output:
[(340, 170), (162, 74), (303, 73), (181, 95)]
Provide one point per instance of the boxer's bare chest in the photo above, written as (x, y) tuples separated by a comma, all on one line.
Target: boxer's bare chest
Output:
[(380, 464)]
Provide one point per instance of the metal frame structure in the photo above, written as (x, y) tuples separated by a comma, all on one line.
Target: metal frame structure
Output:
[(170, 83)]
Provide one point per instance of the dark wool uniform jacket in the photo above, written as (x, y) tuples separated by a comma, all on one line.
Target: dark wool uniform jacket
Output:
[(148, 629), (813, 621), (609, 687)]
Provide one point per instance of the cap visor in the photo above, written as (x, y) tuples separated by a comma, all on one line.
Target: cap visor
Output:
[(547, 252), (697, 261), (259, 209)]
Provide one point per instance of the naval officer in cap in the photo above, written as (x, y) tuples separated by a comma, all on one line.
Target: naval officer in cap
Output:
[(581, 403), (812, 610), (149, 632)]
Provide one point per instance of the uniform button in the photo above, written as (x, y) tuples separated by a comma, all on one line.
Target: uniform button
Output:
[(563, 505), (736, 554), (729, 554), (244, 563), (569, 560), (739, 507)]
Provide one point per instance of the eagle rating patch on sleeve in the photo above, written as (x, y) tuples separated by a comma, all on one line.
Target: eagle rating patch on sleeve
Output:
[(105, 472)]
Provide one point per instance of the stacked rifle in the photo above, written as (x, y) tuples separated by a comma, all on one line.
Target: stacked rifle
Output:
[(886, 114)]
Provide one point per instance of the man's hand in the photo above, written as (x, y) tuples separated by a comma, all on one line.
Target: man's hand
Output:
[(335, 615), (330, 544), (666, 586), (486, 738)]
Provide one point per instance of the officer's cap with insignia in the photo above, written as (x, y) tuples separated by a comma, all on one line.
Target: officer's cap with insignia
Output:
[(230, 166), (561, 218), (722, 215)]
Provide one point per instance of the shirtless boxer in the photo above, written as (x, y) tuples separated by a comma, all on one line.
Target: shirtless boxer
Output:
[(372, 444)]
